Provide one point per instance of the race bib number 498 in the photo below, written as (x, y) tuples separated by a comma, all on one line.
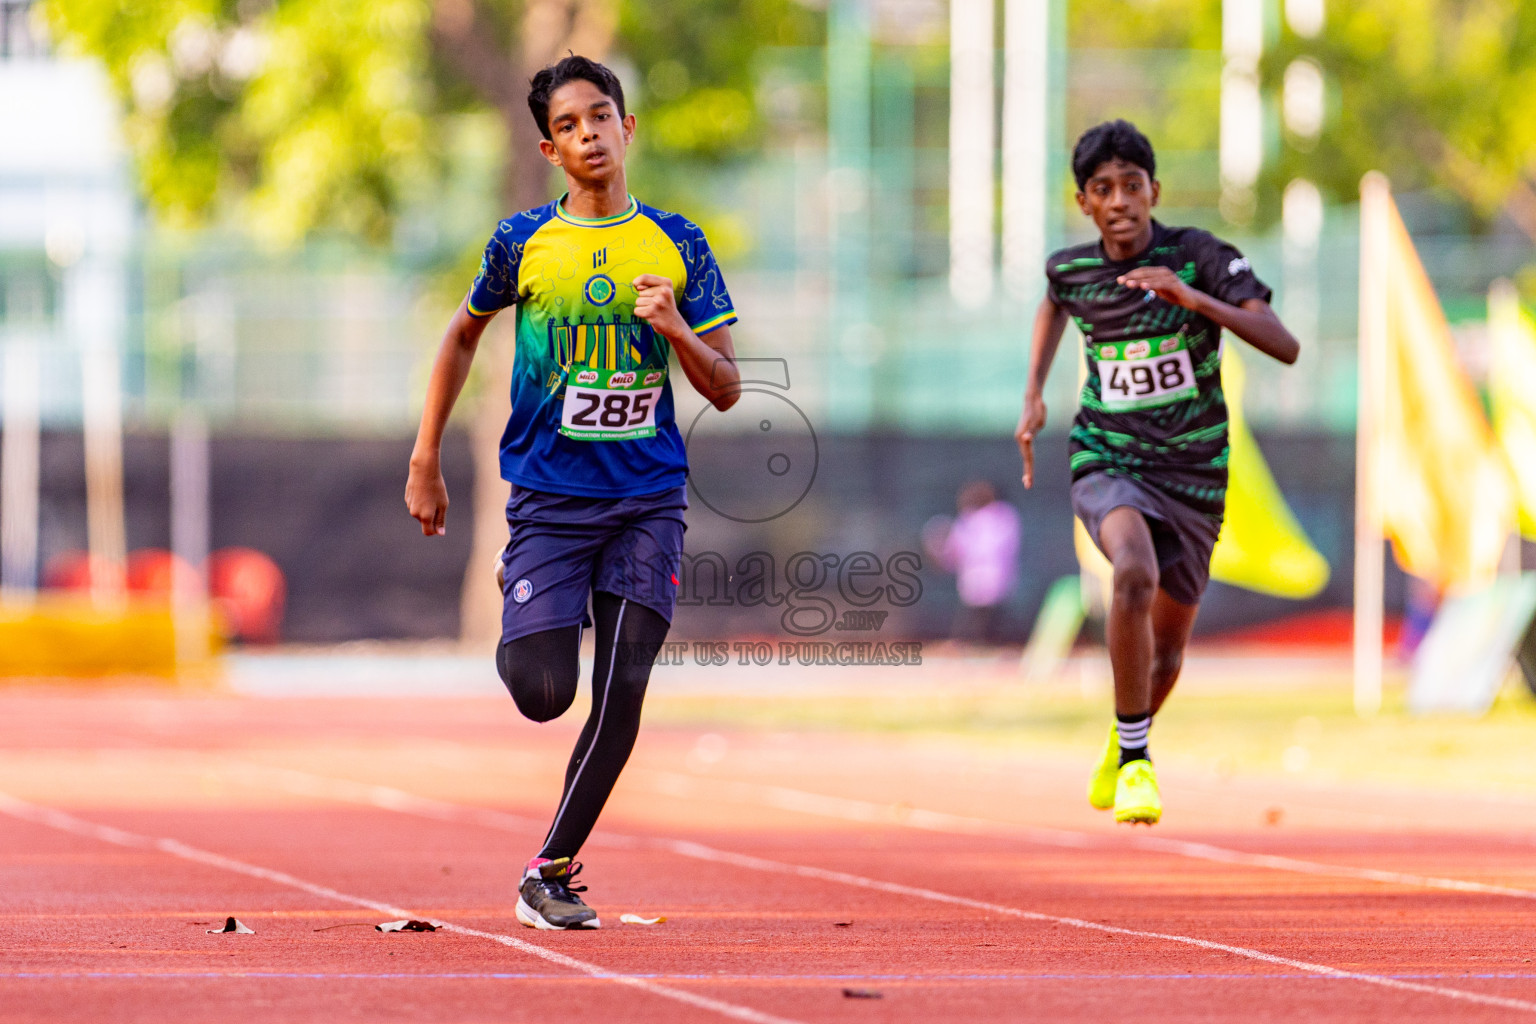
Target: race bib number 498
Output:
[(1144, 374), (611, 405)]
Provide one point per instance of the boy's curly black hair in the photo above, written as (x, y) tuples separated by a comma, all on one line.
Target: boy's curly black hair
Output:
[(1104, 142), (570, 69)]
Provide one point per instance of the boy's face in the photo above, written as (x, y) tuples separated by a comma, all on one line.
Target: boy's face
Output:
[(1119, 197), (589, 138)]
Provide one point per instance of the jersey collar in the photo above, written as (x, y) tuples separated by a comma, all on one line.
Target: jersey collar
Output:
[(631, 211), (1157, 236)]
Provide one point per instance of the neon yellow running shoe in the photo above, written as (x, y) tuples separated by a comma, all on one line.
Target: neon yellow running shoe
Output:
[(1136, 796), (1101, 785)]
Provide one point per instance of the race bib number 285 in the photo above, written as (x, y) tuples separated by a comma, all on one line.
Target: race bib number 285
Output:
[(1144, 374), (611, 405)]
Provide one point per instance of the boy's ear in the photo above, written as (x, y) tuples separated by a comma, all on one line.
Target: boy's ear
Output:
[(1157, 190), (550, 152), (629, 129), (1082, 203)]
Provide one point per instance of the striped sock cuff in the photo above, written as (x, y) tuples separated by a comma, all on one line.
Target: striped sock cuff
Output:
[(1133, 731)]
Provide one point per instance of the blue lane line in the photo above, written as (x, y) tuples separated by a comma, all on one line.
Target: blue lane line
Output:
[(291, 975)]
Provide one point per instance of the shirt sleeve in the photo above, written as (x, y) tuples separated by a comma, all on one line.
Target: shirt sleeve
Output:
[(1226, 274), (1051, 282), (705, 303), (495, 285)]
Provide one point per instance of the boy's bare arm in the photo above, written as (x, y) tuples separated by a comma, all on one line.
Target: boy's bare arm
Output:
[(708, 362), (426, 495), (1253, 321), (1050, 322)]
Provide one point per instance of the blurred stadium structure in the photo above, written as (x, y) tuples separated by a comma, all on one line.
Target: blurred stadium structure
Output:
[(837, 238)]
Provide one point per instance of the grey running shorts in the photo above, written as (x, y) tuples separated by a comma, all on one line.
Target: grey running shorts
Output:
[(1182, 537)]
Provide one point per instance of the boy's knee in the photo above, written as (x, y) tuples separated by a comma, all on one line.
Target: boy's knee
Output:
[(1135, 585), (542, 691)]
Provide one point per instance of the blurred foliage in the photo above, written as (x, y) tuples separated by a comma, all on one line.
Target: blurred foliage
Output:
[(1434, 93), (283, 115), (698, 70), (289, 117), (1144, 24), (1156, 63)]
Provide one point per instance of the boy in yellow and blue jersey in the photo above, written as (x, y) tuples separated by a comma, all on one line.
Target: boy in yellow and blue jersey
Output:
[(606, 290)]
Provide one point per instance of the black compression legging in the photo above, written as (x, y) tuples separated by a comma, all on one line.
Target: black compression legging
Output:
[(542, 671)]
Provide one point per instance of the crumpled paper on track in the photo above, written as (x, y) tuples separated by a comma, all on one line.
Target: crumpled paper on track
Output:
[(408, 926), (232, 926)]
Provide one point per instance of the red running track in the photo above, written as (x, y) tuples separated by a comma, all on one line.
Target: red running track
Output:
[(950, 883)]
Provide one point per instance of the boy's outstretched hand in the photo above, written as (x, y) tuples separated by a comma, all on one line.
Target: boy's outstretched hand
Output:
[(426, 496), (1163, 283)]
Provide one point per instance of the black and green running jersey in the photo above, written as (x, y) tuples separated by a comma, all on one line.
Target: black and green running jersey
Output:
[(1152, 406)]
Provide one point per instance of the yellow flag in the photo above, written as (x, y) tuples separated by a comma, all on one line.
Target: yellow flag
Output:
[(1447, 498), (1262, 547), (1512, 392)]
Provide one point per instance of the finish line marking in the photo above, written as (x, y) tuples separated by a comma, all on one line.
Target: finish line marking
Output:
[(441, 810), (68, 823)]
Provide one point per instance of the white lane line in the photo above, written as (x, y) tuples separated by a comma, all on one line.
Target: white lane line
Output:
[(398, 801), (870, 812), (77, 826), (806, 871)]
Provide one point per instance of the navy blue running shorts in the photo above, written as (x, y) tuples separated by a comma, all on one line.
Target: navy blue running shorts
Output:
[(1182, 537), (563, 547)]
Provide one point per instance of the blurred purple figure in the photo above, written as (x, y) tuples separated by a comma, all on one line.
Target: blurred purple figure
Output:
[(981, 547)]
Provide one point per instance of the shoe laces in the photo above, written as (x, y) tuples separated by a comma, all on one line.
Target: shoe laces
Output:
[(560, 885)]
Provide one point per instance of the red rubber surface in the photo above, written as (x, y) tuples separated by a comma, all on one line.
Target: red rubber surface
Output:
[(96, 930)]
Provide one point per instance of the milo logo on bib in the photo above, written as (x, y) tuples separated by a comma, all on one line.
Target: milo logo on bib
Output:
[(1145, 373), (611, 405)]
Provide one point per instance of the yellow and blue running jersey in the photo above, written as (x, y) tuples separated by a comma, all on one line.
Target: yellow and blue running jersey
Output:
[(592, 410)]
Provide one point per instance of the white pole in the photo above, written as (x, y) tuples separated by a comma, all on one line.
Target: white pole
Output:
[(1026, 131), (1242, 106), (189, 534), (95, 300), (971, 151), (19, 459), (1370, 558), (1504, 324)]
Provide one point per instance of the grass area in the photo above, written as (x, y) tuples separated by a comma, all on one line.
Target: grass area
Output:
[(1304, 733)]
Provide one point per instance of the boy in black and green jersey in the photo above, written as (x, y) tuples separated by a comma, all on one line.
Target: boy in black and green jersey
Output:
[(1149, 444)]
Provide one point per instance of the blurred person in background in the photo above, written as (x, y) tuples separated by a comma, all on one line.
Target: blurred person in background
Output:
[(1149, 443), (606, 290), (981, 547)]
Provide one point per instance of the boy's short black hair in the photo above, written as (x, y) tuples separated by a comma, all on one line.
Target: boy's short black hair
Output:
[(1104, 142), (570, 69)]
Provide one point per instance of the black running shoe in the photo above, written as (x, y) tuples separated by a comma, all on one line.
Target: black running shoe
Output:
[(547, 900)]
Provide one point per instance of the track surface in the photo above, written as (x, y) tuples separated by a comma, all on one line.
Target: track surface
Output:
[(957, 884)]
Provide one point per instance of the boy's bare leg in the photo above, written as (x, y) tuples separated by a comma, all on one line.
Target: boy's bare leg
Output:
[(1127, 541), (1171, 626)]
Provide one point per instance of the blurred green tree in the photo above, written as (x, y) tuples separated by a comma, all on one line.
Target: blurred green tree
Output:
[(1435, 93), (289, 116)]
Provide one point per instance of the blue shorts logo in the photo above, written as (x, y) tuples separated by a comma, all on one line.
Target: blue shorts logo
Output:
[(600, 289), (522, 590)]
